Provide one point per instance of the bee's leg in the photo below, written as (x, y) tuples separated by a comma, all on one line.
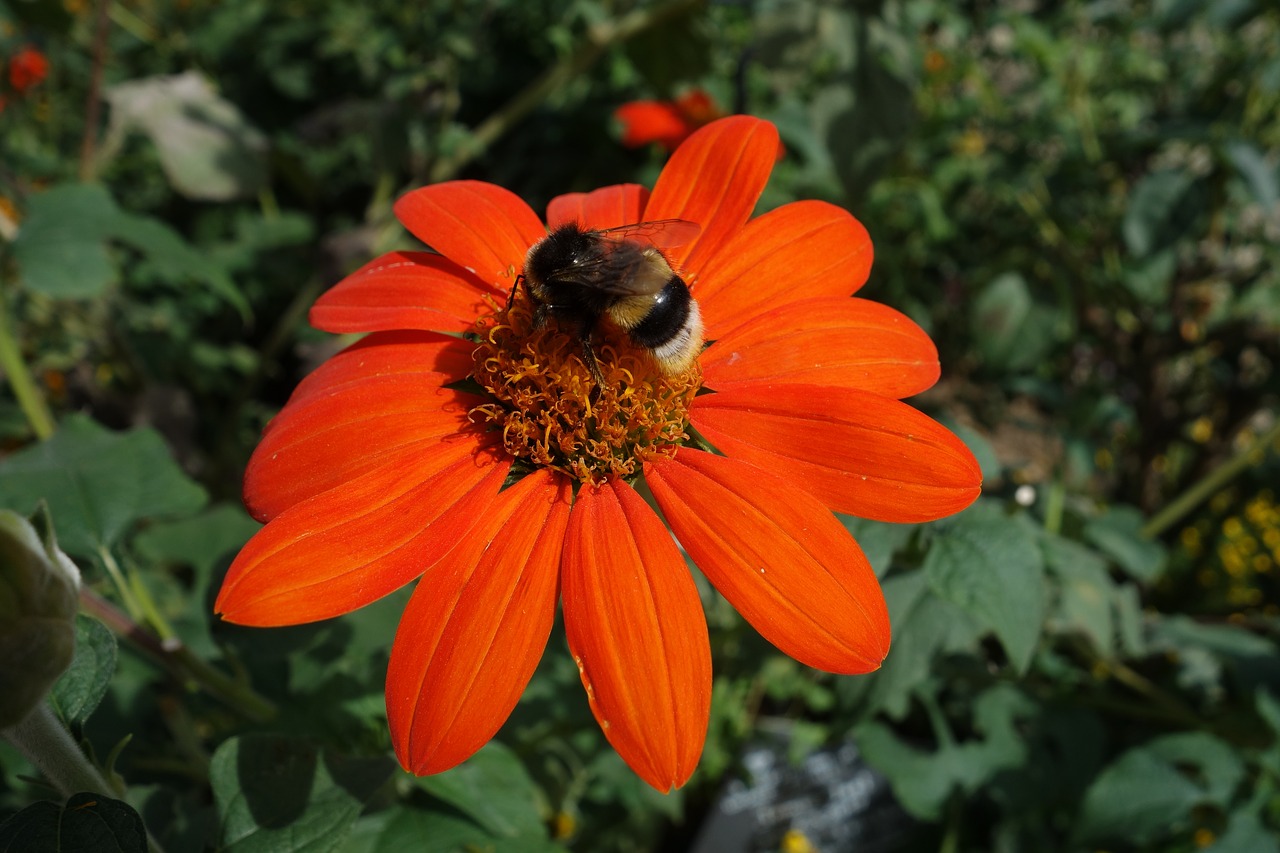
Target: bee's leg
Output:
[(511, 297), (589, 359)]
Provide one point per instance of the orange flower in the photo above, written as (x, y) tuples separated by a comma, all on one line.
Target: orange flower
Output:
[(385, 465), (667, 123), (27, 67)]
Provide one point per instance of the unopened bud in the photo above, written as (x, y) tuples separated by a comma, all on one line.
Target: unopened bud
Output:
[(39, 589)]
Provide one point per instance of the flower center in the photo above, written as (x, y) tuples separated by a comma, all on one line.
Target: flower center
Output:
[(548, 408)]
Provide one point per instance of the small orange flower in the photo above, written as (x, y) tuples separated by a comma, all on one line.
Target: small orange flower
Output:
[(494, 469), (27, 68), (668, 123)]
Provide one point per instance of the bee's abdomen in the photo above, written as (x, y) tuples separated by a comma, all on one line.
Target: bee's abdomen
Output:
[(672, 328)]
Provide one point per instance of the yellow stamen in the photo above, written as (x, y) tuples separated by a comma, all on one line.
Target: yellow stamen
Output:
[(549, 411)]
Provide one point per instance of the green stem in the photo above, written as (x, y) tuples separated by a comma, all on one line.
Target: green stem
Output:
[(24, 386), (179, 660), (1055, 506), (47, 744), (131, 603), (1201, 491), (599, 39)]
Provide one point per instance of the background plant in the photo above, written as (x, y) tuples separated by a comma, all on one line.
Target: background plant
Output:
[(1079, 200)]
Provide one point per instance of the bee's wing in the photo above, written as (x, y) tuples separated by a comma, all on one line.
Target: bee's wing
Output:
[(623, 271), (659, 233)]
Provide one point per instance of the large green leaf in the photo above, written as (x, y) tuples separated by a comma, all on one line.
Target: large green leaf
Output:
[(493, 788), (1118, 533), (1152, 207), (60, 249), (1146, 794), (88, 823), (78, 692), (281, 794), (1010, 330), (98, 483), (993, 569), (924, 780), (924, 628)]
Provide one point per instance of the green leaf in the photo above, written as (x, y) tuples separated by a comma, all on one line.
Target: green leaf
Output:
[(80, 689), (1253, 661), (1118, 533), (200, 541), (1150, 279), (924, 780), (98, 483), (1143, 796), (282, 794), (175, 259), (1258, 174), (1086, 593), (1151, 209), (1012, 332), (1220, 769), (88, 823), (60, 249), (493, 788), (879, 540), (993, 570), (207, 148), (924, 628), (1246, 833)]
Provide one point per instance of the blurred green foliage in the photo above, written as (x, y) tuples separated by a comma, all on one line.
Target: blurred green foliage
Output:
[(1080, 201)]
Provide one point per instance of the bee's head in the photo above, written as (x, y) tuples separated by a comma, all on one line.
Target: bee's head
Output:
[(563, 249)]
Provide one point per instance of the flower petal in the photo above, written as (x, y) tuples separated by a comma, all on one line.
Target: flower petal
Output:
[(861, 453), (351, 545), (636, 629), (325, 440), (835, 341), (404, 290), (435, 359), (485, 229), (714, 179), (607, 207), (779, 556), (652, 121), (798, 251), (476, 627)]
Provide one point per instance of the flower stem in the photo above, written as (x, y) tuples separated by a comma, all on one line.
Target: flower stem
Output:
[(1216, 480), (47, 744), (179, 660), (599, 39), (93, 101), (24, 387)]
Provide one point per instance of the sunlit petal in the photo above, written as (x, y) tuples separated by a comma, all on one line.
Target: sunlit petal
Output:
[(608, 207), (780, 558), (800, 251), (323, 441), (635, 626), (714, 179), (861, 453), (485, 229), (831, 341), (476, 626), (405, 290), (351, 545)]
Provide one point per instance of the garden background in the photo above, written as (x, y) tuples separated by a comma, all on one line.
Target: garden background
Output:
[(1080, 201)]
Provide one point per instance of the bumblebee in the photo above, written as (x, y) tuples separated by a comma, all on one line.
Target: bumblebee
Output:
[(579, 277)]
